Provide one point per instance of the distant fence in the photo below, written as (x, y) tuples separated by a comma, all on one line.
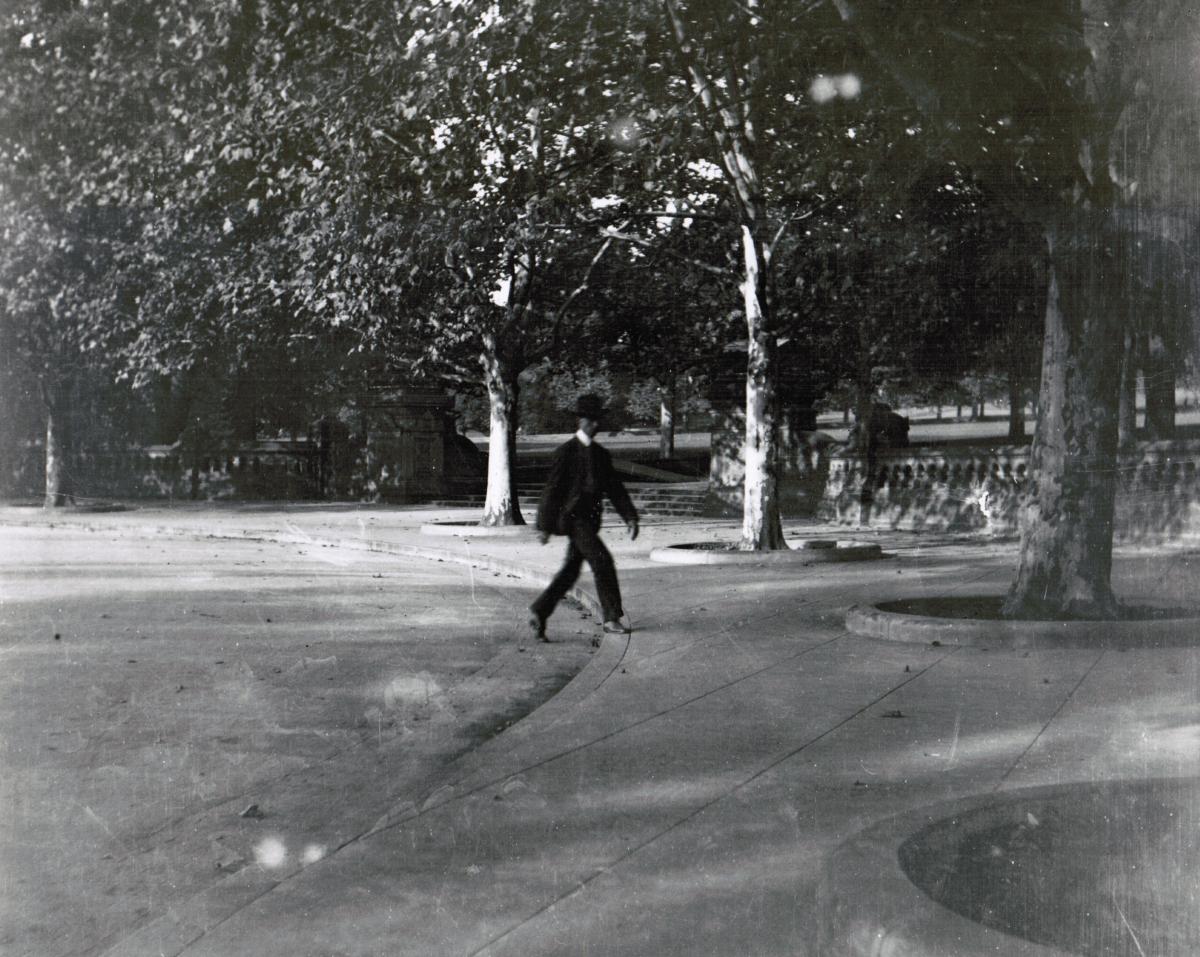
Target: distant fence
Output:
[(970, 489)]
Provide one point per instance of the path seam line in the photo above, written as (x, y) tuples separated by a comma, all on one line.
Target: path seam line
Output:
[(769, 766), (1050, 720)]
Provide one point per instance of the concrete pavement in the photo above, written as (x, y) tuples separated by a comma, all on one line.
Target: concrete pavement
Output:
[(683, 794)]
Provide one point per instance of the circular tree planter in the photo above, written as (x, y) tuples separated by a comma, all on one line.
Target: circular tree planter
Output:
[(808, 552), (1037, 872), (476, 530), (976, 620)]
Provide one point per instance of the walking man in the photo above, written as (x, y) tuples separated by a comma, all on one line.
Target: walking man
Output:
[(572, 504)]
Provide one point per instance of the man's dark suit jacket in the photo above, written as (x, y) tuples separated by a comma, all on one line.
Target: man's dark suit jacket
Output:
[(580, 477)]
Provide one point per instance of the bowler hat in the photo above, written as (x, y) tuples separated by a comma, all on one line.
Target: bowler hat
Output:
[(590, 406)]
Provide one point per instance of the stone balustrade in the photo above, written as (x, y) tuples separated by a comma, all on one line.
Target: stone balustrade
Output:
[(967, 489), (979, 490)]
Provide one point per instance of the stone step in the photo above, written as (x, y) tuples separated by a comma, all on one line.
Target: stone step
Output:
[(674, 501)]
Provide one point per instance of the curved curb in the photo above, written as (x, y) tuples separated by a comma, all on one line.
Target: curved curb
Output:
[(869, 906), (874, 621), (689, 554), (475, 530), (594, 671)]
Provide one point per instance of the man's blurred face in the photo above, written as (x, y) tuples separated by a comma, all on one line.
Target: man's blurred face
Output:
[(589, 427)]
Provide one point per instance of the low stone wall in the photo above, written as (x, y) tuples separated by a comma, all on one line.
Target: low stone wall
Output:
[(405, 450), (979, 490), (267, 470)]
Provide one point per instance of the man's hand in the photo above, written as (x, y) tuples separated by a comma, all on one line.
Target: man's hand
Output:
[(633, 529), (543, 536)]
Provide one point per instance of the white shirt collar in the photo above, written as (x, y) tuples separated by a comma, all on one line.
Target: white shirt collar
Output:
[(583, 437)]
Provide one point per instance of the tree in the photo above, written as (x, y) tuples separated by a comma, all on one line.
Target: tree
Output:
[(769, 87), (721, 52), (478, 146), (243, 167), (661, 303), (1156, 336), (49, 320), (1066, 547), (1008, 295), (74, 81), (1061, 98)]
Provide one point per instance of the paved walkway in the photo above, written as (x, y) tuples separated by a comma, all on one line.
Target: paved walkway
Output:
[(683, 793)]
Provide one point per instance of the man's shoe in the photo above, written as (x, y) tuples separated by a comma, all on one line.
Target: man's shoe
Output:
[(617, 627), (537, 624)]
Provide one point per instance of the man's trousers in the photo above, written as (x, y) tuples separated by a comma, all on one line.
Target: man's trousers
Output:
[(583, 545)]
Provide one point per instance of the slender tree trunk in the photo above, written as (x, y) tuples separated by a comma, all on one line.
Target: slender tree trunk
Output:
[(762, 527), (666, 420), (727, 110), (1127, 401), (1066, 525), (501, 506), (1016, 407), (864, 402), (1159, 377), (58, 476), (865, 444)]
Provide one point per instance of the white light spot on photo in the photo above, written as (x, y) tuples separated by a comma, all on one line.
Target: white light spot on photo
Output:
[(848, 85), (313, 853), (410, 690), (823, 89), (270, 853), (625, 133)]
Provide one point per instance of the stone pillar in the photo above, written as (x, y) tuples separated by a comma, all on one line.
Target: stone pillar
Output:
[(406, 440)]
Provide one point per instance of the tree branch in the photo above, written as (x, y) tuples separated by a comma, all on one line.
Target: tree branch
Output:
[(639, 241), (726, 128), (604, 247), (625, 217)]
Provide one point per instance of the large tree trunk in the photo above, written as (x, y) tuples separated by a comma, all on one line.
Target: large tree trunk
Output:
[(58, 475), (762, 527), (501, 506), (1066, 524)]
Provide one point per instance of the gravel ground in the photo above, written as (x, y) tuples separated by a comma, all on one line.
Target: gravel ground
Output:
[(173, 711)]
